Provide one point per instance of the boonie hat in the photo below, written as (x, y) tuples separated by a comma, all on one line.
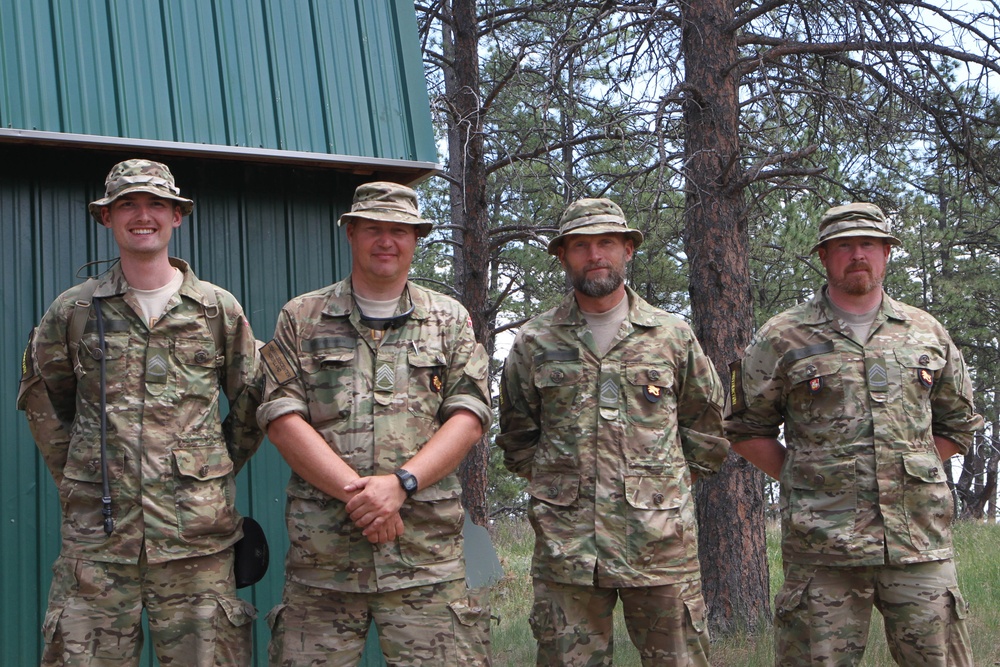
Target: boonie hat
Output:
[(387, 202), (139, 176), (593, 216), (858, 219)]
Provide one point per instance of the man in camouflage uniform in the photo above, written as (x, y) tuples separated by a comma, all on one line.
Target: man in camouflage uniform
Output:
[(165, 540), (375, 391), (610, 409), (875, 398)]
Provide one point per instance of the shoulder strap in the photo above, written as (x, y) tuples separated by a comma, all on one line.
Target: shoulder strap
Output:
[(81, 310), (214, 315)]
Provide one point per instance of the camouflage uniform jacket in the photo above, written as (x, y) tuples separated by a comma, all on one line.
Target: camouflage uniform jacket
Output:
[(376, 406), (862, 480), (607, 443), (172, 462)]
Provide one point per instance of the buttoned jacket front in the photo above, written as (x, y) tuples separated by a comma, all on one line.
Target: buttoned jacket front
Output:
[(608, 444), (171, 459), (376, 401), (862, 480)]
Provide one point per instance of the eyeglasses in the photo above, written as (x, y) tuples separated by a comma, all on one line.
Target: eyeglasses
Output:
[(384, 323)]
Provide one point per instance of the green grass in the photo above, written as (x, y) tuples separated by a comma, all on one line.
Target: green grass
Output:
[(978, 557)]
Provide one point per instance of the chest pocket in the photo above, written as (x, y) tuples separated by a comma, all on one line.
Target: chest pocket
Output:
[(920, 369), (426, 383), (116, 347), (197, 368), (558, 384), (649, 395), (816, 387), (328, 376)]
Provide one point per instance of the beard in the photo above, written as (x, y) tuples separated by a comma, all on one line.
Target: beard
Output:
[(858, 283), (599, 287)]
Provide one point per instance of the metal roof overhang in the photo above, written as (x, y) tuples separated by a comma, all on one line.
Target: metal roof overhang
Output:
[(408, 172)]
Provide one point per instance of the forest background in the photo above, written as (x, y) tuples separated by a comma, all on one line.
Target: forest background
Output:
[(724, 128)]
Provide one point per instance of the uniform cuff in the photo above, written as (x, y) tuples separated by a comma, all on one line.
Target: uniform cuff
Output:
[(482, 411), (280, 407)]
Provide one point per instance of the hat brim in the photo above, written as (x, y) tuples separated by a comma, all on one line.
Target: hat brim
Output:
[(598, 228), (871, 233), (95, 207), (424, 227)]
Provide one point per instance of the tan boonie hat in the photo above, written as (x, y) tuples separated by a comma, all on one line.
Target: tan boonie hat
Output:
[(387, 202), (139, 176), (593, 216), (858, 219)]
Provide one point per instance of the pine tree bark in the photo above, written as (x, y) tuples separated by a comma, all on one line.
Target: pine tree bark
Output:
[(467, 172), (731, 505)]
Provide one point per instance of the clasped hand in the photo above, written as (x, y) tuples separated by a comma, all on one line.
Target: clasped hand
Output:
[(375, 507)]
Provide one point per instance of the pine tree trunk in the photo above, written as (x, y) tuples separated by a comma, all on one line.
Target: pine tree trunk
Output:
[(731, 505), (467, 169)]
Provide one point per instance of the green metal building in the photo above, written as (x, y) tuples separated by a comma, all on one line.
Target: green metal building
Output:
[(269, 113)]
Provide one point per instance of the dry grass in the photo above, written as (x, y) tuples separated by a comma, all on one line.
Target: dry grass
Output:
[(978, 547)]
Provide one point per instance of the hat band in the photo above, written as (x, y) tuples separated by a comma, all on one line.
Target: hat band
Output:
[(859, 224), (387, 206), (143, 180), (592, 220)]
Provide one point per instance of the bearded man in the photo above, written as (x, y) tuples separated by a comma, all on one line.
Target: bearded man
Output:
[(611, 410), (875, 398)]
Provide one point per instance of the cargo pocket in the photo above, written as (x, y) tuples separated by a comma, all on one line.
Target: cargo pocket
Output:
[(81, 492), (203, 491), (927, 501), (697, 613), (656, 532), (437, 513), (552, 505), (822, 504), (50, 626), (233, 631), (471, 622), (960, 605), (789, 598)]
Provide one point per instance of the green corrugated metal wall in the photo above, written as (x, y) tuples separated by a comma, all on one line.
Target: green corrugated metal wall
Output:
[(264, 233), (325, 76), (320, 76)]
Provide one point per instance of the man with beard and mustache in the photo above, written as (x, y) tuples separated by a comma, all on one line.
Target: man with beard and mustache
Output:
[(610, 409), (875, 398)]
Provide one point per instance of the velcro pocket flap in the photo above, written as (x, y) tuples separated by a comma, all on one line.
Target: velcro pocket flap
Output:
[(203, 463)]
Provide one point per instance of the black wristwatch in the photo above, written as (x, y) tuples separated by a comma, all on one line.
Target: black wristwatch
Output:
[(407, 481)]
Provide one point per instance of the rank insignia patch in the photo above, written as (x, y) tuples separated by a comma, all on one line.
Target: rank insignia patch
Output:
[(926, 377), (436, 384), (652, 393), (815, 385)]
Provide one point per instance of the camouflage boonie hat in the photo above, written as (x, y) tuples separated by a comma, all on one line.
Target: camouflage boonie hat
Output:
[(593, 216), (387, 202), (139, 176), (858, 219)]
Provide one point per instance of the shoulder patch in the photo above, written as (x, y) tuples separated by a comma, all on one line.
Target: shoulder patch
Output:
[(737, 399), (28, 358), (277, 363)]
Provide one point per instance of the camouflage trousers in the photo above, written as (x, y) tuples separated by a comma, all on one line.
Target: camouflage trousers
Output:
[(822, 614), (574, 627), (443, 625), (195, 619)]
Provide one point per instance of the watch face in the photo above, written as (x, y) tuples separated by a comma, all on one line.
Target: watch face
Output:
[(407, 481)]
